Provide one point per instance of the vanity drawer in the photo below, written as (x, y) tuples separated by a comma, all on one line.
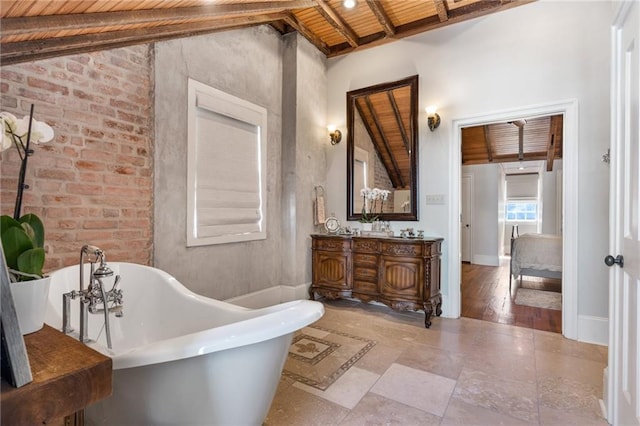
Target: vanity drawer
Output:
[(365, 260), (394, 248), (366, 287), (366, 245), (363, 272), (332, 244)]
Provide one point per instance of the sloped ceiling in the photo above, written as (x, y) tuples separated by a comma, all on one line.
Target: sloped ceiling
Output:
[(36, 29)]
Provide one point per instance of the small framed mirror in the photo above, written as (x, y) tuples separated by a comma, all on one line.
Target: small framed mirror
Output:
[(382, 151)]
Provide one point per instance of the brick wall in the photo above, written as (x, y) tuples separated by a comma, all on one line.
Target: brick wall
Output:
[(93, 184)]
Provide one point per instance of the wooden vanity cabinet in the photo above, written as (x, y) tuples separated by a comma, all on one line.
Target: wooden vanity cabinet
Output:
[(332, 266), (403, 274)]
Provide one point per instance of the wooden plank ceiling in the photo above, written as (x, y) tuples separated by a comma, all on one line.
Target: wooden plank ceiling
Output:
[(36, 29), (520, 140), (386, 116)]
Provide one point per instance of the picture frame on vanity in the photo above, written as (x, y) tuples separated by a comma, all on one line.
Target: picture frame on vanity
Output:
[(15, 362)]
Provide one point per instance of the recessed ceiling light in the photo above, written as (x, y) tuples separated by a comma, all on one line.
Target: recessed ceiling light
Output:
[(349, 4)]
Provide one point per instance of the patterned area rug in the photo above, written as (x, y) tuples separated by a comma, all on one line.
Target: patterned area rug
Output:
[(539, 298), (319, 356)]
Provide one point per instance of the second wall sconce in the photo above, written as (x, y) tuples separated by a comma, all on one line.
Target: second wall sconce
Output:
[(433, 119), (334, 134)]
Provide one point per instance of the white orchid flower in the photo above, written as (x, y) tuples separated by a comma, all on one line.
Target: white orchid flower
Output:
[(5, 141), (41, 132), (10, 122), (22, 127), (12, 127)]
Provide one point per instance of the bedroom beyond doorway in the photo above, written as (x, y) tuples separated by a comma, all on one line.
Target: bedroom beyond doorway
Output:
[(486, 296)]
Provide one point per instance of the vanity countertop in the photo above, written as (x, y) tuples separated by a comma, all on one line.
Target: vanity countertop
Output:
[(67, 376), (394, 238)]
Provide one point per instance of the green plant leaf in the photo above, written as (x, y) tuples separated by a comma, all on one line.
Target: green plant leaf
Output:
[(31, 262), (7, 222), (14, 242), (36, 231)]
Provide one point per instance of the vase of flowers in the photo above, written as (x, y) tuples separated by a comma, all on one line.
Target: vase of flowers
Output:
[(23, 237), (370, 198)]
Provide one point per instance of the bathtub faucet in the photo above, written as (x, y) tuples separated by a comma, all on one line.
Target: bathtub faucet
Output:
[(94, 299)]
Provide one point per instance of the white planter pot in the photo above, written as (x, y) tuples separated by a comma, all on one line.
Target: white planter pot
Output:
[(30, 300), (366, 226)]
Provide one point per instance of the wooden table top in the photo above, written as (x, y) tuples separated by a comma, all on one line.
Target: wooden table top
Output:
[(67, 376)]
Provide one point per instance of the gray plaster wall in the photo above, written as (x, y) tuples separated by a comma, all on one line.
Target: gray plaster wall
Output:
[(246, 63), (305, 141)]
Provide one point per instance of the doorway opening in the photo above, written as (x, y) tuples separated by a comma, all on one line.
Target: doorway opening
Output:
[(568, 209), (512, 212)]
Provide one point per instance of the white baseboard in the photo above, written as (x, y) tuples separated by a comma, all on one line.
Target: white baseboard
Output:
[(481, 259), (448, 311), (271, 296), (593, 330), (605, 393)]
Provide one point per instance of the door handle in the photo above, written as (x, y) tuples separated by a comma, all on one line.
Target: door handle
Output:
[(610, 260)]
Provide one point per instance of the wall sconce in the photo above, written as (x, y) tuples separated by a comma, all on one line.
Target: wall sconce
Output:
[(433, 119), (334, 134)]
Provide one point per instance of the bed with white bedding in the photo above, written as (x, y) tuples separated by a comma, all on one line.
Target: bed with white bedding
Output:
[(537, 255)]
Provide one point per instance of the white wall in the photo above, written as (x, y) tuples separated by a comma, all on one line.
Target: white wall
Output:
[(484, 223), (541, 52)]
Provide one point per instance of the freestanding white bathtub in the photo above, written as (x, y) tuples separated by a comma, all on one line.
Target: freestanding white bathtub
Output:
[(180, 358)]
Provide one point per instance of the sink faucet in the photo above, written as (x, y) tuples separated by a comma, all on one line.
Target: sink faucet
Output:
[(95, 298)]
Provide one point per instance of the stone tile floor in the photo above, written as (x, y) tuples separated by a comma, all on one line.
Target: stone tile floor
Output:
[(458, 372)]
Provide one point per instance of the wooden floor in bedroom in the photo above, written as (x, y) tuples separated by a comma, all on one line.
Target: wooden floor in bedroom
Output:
[(486, 296)]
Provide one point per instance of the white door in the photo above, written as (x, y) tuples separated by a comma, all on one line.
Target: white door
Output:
[(624, 297), (465, 218)]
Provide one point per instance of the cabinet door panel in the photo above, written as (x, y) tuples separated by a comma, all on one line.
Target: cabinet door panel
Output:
[(402, 277), (331, 269)]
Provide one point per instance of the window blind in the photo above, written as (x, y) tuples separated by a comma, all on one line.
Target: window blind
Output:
[(227, 177), (522, 186), (226, 168)]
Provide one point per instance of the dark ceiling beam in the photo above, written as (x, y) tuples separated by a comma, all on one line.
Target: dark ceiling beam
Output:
[(372, 135), (488, 143), (387, 147), (460, 14), (336, 22), (291, 20), (506, 158), (555, 132), (24, 51), (441, 8), (382, 17), (77, 21), (396, 113), (520, 143)]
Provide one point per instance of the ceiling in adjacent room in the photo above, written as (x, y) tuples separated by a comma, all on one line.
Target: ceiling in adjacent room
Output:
[(530, 139)]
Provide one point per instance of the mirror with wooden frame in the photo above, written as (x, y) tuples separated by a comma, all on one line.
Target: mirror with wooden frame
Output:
[(382, 150)]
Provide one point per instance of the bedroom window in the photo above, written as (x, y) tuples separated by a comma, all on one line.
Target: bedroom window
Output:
[(521, 210), (521, 197)]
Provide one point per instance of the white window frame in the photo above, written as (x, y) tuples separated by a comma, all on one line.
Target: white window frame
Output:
[(521, 201), (209, 151)]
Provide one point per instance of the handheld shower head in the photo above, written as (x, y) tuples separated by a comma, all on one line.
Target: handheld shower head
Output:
[(102, 271)]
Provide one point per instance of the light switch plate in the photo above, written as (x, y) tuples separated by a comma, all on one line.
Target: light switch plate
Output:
[(435, 199)]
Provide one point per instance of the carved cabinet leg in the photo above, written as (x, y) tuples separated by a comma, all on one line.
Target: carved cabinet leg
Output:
[(428, 311), (312, 294), (438, 302)]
